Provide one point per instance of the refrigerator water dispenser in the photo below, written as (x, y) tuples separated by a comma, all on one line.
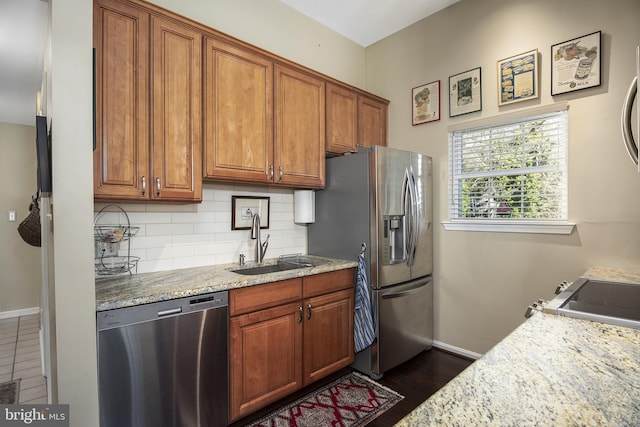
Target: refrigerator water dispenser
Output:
[(394, 239)]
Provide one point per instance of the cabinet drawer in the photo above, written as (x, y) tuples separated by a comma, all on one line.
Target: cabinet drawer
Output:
[(328, 282), (259, 297)]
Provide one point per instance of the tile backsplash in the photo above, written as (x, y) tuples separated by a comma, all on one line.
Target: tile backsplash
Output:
[(174, 236)]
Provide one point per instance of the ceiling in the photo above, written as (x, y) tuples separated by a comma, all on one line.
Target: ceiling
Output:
[(367, 21), (23, 29)]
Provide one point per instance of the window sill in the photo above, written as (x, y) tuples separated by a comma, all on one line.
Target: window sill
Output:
[(510, 227)]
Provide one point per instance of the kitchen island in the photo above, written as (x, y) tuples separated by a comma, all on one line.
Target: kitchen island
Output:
[(550, 371)]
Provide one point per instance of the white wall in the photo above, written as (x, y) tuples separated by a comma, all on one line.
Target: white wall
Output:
[(72, 165), (19, 262), (192, 235), (485, 281)]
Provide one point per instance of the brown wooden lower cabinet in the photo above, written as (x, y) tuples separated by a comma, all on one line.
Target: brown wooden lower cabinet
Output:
[(278, 349), (328, 334)]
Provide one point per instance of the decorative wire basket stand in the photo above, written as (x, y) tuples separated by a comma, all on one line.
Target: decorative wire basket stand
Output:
[(108, 238)]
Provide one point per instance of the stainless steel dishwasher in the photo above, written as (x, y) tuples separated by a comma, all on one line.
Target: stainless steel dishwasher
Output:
[(164, 364)]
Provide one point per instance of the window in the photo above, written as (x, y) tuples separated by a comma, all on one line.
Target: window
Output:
[(510, 173)]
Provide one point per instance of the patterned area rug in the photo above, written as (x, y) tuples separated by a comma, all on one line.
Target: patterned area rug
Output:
[(353, 400), (9, 392)]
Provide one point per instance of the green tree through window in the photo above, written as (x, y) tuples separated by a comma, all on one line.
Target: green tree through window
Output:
[(513, 171)]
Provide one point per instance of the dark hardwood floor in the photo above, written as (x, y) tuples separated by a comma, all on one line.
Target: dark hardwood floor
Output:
[(416, 380)]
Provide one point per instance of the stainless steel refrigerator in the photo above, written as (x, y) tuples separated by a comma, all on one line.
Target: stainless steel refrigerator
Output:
[(380, 199)]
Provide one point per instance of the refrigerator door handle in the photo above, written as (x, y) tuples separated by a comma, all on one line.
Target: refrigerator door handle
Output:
[(412, 217), (407, 194), (416, 218)]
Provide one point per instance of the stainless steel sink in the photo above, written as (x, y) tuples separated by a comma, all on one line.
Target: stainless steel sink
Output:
[(283, 264)]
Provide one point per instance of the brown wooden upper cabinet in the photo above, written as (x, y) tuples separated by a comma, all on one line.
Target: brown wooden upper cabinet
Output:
[(342, 119), (372, 122), (244, 93), (148, 106), (177, 102), (299, 128), (354, 120), (238, 114)]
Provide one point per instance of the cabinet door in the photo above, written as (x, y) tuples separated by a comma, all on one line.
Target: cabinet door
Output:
[(238, 114), (372, 122), (265, 357), (342, 119), (300, 129), (121, 156), (328, 334), (177, 112)]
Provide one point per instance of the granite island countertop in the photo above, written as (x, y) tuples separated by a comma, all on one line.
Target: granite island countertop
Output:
[(129, 290), (550, 371)]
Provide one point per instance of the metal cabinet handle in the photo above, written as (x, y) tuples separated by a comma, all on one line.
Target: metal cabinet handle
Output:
[(308, 311), (300, 314), (270, 171), (158, 186), (279, 173), (144, 186)]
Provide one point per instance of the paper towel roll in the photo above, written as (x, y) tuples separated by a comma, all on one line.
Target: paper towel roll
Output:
[(304, 209)]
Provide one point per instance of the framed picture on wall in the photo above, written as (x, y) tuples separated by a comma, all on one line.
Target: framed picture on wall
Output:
[(518, 78), (576, 64), (426, 103), (465, 92), (243, 208)]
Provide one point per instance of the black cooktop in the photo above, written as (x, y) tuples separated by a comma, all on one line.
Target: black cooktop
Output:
[(612, 299)]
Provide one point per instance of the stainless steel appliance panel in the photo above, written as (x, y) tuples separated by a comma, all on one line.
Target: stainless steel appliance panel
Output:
[(421, 167), (164, 364), (408, 326), (343, 221), (389, 170), (403, 215), (381, 197)]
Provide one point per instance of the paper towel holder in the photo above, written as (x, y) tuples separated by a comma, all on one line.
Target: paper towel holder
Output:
[(304, 209)]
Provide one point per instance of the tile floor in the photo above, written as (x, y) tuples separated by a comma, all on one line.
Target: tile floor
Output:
[(20, 357)]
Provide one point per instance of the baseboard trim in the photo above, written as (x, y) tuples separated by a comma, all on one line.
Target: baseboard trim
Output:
[(18, 313), (457, 350)]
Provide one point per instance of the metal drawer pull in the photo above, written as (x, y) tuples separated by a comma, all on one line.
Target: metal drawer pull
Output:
[(402, 294), (308, 311), (280, 173), (170, 311), (270, 171), (144, 186), (300, 312), (158, 186)]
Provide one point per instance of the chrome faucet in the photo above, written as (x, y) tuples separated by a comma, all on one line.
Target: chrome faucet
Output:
[(261, 248)]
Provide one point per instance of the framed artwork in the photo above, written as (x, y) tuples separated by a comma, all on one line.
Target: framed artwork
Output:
[(518, 78), (243, 208), (576, 64), (465, 93), (426, 103)]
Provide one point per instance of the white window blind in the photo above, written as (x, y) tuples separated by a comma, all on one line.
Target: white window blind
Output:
[(511, 172)]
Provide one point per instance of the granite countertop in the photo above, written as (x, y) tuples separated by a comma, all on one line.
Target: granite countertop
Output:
[(550, 371), (129, 290)]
